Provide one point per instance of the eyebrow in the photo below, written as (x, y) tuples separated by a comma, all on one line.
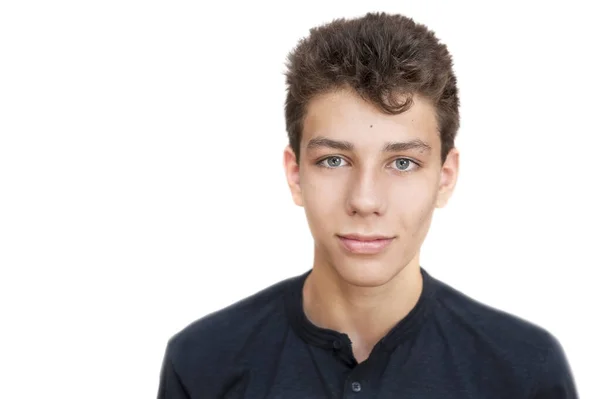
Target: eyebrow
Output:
[(324, 142)]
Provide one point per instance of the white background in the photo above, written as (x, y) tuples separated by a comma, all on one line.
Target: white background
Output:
[(141, 179)]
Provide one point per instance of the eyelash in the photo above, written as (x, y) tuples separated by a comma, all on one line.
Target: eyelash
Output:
[(321, 162)]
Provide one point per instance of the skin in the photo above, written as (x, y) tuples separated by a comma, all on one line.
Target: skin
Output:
[(364, 190)]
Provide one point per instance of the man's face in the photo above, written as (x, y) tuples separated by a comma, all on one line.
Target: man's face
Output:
[(366, 173)]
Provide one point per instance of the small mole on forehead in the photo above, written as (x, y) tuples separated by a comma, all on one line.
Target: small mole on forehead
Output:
[(371, 126)]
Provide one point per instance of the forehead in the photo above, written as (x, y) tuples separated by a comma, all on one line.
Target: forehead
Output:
[(344, 115)]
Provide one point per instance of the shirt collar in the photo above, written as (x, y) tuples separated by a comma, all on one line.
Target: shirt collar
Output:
[(331, 339)]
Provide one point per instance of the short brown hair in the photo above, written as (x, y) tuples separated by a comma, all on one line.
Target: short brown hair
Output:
[(382, 57)]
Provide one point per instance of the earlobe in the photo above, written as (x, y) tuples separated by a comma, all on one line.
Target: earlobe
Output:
[(440, 202), (292, 173)]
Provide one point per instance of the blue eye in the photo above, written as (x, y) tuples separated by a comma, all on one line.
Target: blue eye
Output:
[(400, 164), (331, 162), (403, 164)]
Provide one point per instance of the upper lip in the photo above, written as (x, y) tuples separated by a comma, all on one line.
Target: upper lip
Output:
[(365, 237)]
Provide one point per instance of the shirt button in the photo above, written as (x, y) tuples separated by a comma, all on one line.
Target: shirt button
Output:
[(337, 344), (356, 386)]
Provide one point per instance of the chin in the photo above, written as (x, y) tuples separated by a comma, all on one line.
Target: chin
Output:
[(365, 272)]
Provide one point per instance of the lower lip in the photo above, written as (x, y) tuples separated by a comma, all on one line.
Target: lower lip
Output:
[(365, 247)]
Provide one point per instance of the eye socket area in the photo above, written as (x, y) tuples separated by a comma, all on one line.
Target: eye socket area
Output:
[(336, 161), (325, 162), (411, 165)]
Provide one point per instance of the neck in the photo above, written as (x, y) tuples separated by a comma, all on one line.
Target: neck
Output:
[(365, 314)]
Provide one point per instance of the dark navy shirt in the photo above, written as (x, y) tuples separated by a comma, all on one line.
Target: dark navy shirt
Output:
[(449, 346)]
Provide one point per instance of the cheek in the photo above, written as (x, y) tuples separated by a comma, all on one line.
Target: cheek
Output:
[(323, 199), (321, 202), (321, 190), (413, 203)]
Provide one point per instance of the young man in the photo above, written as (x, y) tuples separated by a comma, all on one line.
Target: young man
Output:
[(372, 114)]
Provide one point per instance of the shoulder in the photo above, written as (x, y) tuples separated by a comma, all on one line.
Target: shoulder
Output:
[(522, 348), (228, 325), (499, 326), (219, 338)]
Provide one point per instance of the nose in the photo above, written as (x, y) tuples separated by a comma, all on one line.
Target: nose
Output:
[(364, 195)]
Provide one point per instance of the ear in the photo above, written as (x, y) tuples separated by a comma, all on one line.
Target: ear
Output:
[(292, 173), (448, 178)]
